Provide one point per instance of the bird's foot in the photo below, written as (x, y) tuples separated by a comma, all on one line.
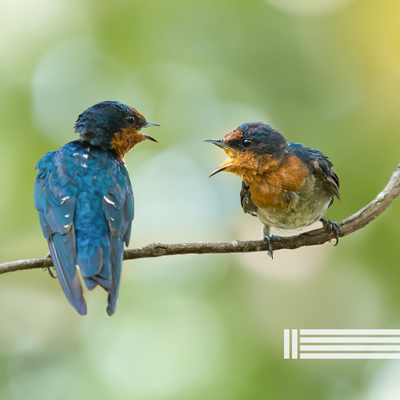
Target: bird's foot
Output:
[(267, 238), (51, 273), (332, 226)]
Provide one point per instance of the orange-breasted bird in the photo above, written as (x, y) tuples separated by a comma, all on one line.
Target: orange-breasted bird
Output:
[(286, 185), (84, 199)]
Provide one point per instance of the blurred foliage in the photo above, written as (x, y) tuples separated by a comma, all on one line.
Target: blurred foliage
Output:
[(325, 73)]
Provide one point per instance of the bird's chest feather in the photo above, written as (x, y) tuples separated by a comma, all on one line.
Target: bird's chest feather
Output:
[(289, 197), (273, 187)]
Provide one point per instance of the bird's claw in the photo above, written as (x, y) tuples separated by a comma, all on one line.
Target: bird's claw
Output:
[(267, 238), (48, 268), (332, 226), (51, 273)]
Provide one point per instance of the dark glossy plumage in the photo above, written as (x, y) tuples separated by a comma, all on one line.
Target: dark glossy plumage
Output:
[(84, 199), (286, 185)]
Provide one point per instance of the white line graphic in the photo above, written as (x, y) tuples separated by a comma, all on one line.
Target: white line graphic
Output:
[(356, 347), (350, 356), (342, 344), (353, 339), (379, 332), (294, 343), (286, 343)]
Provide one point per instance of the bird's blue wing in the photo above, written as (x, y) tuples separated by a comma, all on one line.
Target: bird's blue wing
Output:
[(55, 200), (118, 207)]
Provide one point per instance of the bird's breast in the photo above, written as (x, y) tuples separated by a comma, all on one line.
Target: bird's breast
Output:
[(270, 188), (289, 197), (303, 209)]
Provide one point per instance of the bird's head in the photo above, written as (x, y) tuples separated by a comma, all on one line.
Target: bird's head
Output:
[(251, 148), (114, 126)]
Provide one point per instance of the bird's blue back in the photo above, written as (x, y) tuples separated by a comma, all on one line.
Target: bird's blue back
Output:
[(85, 202)]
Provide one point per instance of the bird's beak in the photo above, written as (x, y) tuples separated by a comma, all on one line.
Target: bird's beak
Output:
[(151, 124), (229, 161), (148, 136)]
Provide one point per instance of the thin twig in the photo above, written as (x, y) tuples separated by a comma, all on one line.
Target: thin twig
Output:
[(311, 238)]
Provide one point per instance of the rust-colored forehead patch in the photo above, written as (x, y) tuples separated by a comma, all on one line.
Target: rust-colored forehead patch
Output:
[(136, 112), (233, 135)]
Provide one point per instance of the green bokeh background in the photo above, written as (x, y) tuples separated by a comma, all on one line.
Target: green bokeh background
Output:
[(324, 73)]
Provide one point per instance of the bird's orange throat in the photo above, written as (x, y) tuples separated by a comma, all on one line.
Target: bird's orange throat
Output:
[(124, 141), (272, 180), (251, 169)]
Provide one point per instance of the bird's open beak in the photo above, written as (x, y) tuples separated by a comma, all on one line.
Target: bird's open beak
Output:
[(148, 136), (229, 161)]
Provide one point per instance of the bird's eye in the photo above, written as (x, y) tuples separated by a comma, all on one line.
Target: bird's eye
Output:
[(246, 143), (130, 119)]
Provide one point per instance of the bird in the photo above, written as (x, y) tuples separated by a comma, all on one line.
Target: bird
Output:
[(84, 199), (288, 186)]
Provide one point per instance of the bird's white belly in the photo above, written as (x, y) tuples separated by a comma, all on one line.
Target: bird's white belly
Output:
[(310, 208)]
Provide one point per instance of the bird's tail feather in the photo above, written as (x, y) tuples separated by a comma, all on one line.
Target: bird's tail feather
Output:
[(72, 288), (117, 254)]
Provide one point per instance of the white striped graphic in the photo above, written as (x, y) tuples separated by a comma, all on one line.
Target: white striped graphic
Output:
[(350, 356), (356, 347), (379, 332), (294, 343), (353, 339), (286, 343), (342, 344)]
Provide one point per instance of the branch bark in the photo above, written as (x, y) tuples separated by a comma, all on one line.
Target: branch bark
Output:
[(315, 237)]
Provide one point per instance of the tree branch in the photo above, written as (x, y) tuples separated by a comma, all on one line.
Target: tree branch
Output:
[(311, 238)]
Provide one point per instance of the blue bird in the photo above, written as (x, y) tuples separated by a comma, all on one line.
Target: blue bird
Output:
[(84, 198)]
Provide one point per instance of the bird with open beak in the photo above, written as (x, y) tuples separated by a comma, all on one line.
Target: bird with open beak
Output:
[(84, 199), (286, 185)]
